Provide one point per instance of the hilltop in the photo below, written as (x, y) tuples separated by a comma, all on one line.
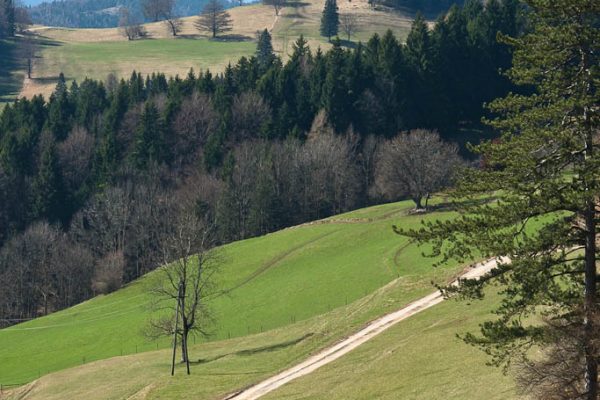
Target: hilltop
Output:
[(95, 53)]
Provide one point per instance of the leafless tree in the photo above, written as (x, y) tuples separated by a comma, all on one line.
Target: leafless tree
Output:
[(75, 156), (174, 24), (27, 52), (111, 82), (129, 26), (367, 161), (186, 277), (42, 271), (108, 274), (277, 5), (249, 113), (195, 120), (157, 10), (416, 164), (22, 19), (349, 24), (329, 161), (214, 19)]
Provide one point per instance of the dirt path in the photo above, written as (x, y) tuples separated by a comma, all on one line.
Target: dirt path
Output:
[(333, 353)]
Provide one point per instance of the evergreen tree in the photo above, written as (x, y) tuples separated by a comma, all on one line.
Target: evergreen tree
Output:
[(7, 18), (330, 20), (544, 175), (149, 140), (48, 192), (336, 99), (264, 50)]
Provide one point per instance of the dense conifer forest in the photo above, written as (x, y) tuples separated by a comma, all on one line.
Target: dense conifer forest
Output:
[(86, 175)]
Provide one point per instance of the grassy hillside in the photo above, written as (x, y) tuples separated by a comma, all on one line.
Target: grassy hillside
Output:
[(314, 268), (418, 359), (95, 53)]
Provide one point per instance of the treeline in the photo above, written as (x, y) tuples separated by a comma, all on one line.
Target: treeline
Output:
[(7, 18), (429, 7), (101, 13), (264, 145)]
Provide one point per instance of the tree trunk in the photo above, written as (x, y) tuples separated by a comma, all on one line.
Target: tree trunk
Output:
[(418, 202), (589, 307), (591, 363)]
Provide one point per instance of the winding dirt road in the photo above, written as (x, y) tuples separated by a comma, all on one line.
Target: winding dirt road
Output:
[(347, 345)]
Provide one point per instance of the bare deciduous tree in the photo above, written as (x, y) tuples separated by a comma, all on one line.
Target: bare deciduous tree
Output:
[(194, 122), (157, 10), (129, 26), (186, 277), (349, 24), (277, 5), (367, 161), (249, 112), (27, 52), (174, 24), (214, 19), (108, 274), (42, 271), (22, 19), (75, 156), (416, 164)]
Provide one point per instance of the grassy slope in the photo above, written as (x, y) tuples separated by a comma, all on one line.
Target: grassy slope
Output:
[(97, 52), (299, 265), (420, 358)]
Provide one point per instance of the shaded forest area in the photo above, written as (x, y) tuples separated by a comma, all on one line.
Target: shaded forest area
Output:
[(88, 176)]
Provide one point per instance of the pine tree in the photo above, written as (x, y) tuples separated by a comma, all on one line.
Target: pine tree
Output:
[(330, 20), (48, 191), (544, 174), (336, 99), (264, 50), (149, 140)]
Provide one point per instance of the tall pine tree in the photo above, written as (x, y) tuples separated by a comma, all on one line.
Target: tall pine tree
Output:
[(544, 175), (330, 20), (264, 50)]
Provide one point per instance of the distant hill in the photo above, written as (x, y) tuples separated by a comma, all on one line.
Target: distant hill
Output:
[(31, 3), (97, 13)]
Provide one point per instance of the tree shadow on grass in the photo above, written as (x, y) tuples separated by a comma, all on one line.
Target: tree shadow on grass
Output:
[(256, 350), (13, 64), (11, 81), (458, 205)]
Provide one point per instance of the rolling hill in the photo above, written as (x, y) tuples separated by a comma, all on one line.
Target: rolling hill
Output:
[(95, 53), (331, 287)]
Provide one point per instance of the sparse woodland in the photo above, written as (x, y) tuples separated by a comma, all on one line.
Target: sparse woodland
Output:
[(264, 145)]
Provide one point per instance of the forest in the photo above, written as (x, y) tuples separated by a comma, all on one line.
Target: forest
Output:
[(88, 176)]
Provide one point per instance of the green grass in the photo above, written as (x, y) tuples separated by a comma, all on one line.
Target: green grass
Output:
[(287, 276), (97, 60), (420, 358)]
